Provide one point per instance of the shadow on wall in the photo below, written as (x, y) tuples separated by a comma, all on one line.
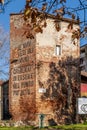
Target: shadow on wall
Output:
[(63, 87), (26, 110)]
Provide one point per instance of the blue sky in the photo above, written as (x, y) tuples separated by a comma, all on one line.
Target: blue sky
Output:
[(14, 6)]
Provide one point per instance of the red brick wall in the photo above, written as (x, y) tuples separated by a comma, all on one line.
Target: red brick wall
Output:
[(60, 78), (34, 68), (57, 75), (22, 71)]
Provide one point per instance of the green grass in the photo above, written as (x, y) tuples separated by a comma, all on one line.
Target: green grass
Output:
[(64, 127), (72, 127), (16, 128)]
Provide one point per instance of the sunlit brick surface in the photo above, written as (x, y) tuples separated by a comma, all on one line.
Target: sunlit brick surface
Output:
[(40, 80)]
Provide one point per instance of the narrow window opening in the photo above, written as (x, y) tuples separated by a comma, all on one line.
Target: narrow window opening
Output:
[(58, 50)]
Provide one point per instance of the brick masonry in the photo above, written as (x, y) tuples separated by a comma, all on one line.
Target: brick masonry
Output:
[(40, 80)]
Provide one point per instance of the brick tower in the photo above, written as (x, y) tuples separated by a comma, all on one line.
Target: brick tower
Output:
[(44, 70)]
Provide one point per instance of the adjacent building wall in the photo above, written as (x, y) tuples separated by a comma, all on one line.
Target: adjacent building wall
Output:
[(5, 93), (1, 101), (83, 84), (83, 58)]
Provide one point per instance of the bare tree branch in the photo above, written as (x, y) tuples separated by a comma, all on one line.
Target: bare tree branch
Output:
[(4, 54), (74, 11)]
